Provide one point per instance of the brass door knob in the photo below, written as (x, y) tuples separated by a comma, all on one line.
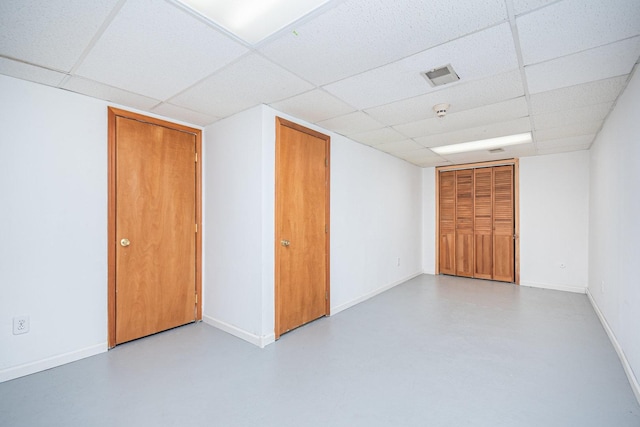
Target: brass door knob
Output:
[(125, 242), (285, 242)]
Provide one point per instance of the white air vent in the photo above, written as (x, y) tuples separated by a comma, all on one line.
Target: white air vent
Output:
[(496, 150), (441, 75)]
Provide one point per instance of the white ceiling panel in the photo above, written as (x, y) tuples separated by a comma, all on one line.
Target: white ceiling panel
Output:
[(236, 87), (562, 149), (378, 136), (499, 112), (522, 6), (596, 92), (30, 72), (108, 93), (582, 141), (157, 50), (461, 97), (353, 123), (402, 79), (51, 33), (568, 131), (422, 157), (313, 106), (596, 64), (486, 156), (572, 26), (586, 115), (184, 114), (399, 146), (352, 66), (359, 35), (493, 130)]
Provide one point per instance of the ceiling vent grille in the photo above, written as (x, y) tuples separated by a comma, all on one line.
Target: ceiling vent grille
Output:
[(441, 75), (496, 150)]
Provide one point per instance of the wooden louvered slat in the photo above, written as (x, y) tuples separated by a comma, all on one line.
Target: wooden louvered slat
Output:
[(464, 223), (483, 223), (503, 224), (447, 215)]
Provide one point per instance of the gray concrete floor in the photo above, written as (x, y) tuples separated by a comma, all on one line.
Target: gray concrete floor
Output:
[(435, 351)]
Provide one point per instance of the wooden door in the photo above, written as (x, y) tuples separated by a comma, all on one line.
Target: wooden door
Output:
[(503, 224), (302, 226), (483, 223), (477, 221), (464, 223), (447, 218), (155, 235)]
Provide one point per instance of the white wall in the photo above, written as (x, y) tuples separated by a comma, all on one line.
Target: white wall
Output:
[(375, 219), (554, 213), (233, 224), (428, 221), (554, 218), (614, 227), (53, 223)]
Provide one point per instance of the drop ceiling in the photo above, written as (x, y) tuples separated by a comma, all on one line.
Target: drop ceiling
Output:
[(552, 68)]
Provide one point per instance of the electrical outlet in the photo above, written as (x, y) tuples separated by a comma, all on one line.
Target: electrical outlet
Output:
[(20, 325)]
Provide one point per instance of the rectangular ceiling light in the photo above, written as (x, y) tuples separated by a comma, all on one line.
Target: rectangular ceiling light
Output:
[(484, 144), (253, 20)]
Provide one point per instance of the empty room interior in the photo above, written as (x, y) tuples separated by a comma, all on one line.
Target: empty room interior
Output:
[(331, 212)]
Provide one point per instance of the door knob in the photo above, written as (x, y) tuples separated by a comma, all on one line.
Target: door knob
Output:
[(125, 242), (285, 242)]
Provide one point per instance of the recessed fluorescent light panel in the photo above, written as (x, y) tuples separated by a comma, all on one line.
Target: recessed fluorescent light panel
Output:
[(485, 144), (253, 20)]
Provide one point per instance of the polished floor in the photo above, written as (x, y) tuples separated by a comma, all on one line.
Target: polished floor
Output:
[(434, 351)]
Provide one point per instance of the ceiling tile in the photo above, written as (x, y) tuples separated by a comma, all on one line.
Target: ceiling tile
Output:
[(485, 156), (184, 114), (52, 33), (378, 136), (156, 49), (583, 141), (359, 35), (461, 97), (398, 146), (108, 93), (568, 131), (522, 6), (596, 64), (403, 79), (493, 130), (422, 157), (562, 149), (30, 72), (350, 124), (597, 92), (313, 106), (583, 115), (250, 81), (499, 112), (571, 26)]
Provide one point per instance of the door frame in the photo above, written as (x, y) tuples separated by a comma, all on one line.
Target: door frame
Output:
[(516, 206), (112, 114), (280, 122)]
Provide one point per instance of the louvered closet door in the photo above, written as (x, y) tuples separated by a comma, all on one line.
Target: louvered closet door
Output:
[(503, 224), (464, 223), (483, 223), (447, 215)]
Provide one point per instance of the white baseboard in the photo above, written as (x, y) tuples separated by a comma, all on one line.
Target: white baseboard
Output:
[(633, 380), (565, 288), (341, 307), (260, 341), (50, 362)]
